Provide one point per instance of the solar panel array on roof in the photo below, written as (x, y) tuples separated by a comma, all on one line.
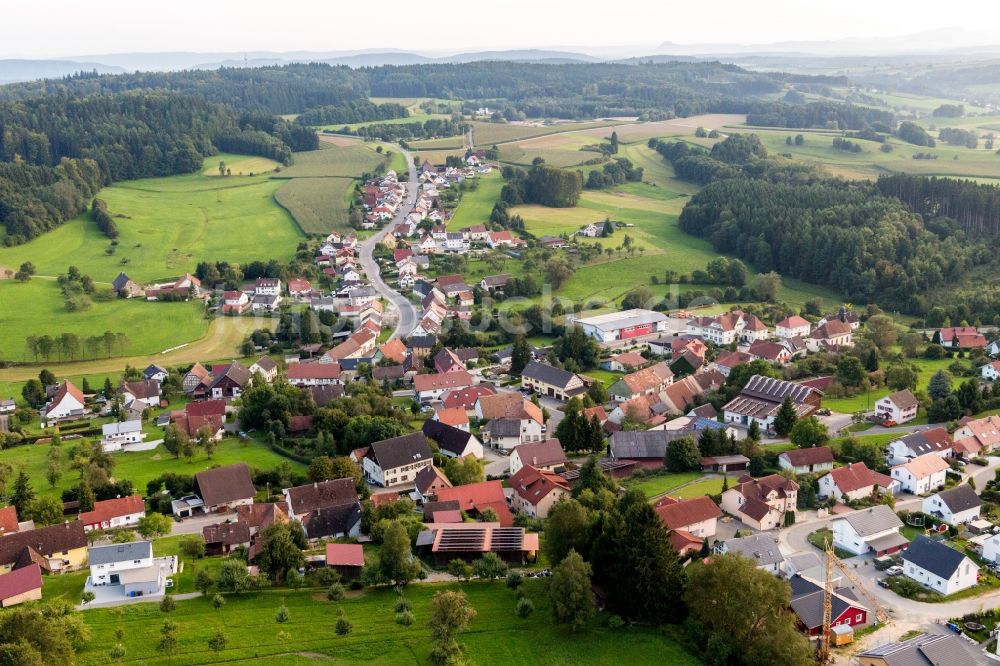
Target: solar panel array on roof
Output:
[(507, 538), (462, 540)]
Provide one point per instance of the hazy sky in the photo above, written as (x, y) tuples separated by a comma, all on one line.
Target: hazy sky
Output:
[(52, 28)]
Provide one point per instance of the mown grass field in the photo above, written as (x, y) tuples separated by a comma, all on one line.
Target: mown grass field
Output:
[(142, 466), (487, 134), (37, 308), (332, 160), (239, 165), (476, 205), (707, 487), (319, 205), (654, 486), (925, 370), (495, 636)]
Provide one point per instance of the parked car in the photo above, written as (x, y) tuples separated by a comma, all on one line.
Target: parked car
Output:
[(894, 571), (882, 582), (888, 423), (884, 562)]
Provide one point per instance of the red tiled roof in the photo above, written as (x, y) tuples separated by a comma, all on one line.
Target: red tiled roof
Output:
[(205, 408), (20, 581), (680, 514), (812, 456), (345, 555), (466, 397), (105, 510), (854, 477), (67, 388), (314, 371), (794, 321), (533, 485), (8, 520), (478, 497), (457, 379), (683, 541)]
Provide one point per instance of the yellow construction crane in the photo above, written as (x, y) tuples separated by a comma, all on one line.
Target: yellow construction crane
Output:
[(881, 614)]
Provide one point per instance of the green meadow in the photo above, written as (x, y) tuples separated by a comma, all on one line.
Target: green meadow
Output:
[(495, 636)]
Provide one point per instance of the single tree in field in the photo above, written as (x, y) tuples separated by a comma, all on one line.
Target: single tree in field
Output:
[(451, 614), (565, 529), (217, 643), (570, 591)]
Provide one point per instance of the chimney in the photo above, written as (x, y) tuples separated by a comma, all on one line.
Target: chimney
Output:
[(534, 461)]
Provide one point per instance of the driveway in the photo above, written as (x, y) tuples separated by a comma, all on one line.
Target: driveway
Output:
[(407, 314), (195, 524)]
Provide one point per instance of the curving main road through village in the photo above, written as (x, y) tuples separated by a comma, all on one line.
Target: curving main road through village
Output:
[(407, 314)]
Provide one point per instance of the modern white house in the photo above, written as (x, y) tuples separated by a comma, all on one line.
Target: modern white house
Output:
[(67, 402), (115, 436), (954, 506), (900, 407), (875, 529), (991, 549), (921, 475), (939, 567), (908, 447), (128, 565)]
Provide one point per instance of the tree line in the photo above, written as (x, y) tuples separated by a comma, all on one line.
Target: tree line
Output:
[(74, 347), (545, 185), (974, 207), (353, 111), (57, 152)]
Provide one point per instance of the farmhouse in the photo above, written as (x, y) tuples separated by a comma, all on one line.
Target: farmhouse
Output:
[(807, 461), (453, 442), (327, 509), (623, 325), (184, 287), (626, 362), (697, 516), (197, 376), (447, 361), (265, 368), (875, 529), (114, 513), (314, 374), (727, 360), (761, 549), (960, 337), (939, 567), (118, 434), (536, 490), (954, 506), (125, 287), (141, 394), (772, 352), (547, 456), (224, 488), (761, 399), (935, 441), (196, 415), (761, 503), (854, 482), (494, 282), (59, 547), (921, 475), (550, 381), (900, 407), (396, 461), (230, 381), (223, 538), (66, 403), (832, 335), (469, 541)]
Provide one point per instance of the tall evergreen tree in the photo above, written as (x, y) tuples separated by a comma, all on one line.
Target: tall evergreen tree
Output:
[(785, 419)]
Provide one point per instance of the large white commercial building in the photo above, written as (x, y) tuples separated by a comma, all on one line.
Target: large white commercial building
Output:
[(622, 325)]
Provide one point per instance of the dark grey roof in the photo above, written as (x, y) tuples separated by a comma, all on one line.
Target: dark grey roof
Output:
[(960, 498), (503, 427), (636, 444), (547, 374), (322, 395), (332, 520), (120, 552), (934, 556), (761, 548), (776, 390), (398, 451), (919, 444), (807, 601), (422, 341), (929, 650), (448, 438)]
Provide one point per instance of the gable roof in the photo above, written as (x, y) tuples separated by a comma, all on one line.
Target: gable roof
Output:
[(221, 485), (679, 514), (533, 485), (451, 416), (647, 379), (761, 548), (234, 372), (262, 514), (933, 556), (637, 444), (856, 476), (466, 397), (872, 520), (315, 371), (398, 451), (46, 540), (929, 650), (902, 399), (509, 405), (541, 454), (795, 321), (21, 580), (8, 520), (394, 350), (312, 496), (960, 498), (345, 555), (328, 521), (925, 465), (479, 497), (776, 390), (66, 388), (816, 455), (456, 379), (927, 441), (547, 374), (427, 477), (449, 438), (808, 598), (228, 534), (105, 510)]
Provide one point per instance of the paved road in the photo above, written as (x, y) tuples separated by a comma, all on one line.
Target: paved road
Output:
[(905, 612), (407, 313)]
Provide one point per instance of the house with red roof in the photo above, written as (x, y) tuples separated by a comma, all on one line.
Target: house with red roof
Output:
[(536, 490), (114, 513), (978, 435), (960, 337), (427, 483), (761, 503), (431, 387), (67, 403), (854, 482), (20, 585), (792, 327), (466, 398), (299, 288), (314, 374), (348, 559), (697, 516), (475, 498), (235, 302)]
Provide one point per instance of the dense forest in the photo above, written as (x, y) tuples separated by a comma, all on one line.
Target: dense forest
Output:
[(544, 185), (428, 129), (974, 208), (868, 241), (354, 111), (57, 152), (822, 114)]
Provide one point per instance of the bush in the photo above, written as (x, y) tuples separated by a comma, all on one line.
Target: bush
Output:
[(525, 607), (616, 622), (282, 615), (193, 547), (343, 627), (168, 604), (355, 585), (403, 604), (514, 580), (405, 618), (335, 592)]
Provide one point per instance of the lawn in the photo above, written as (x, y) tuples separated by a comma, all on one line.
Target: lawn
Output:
[(661, 484), (238, 165), (143, 466), (37, 308), (711, 486), (866, 401), (476, 205), (496, 635), (333, 160)]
